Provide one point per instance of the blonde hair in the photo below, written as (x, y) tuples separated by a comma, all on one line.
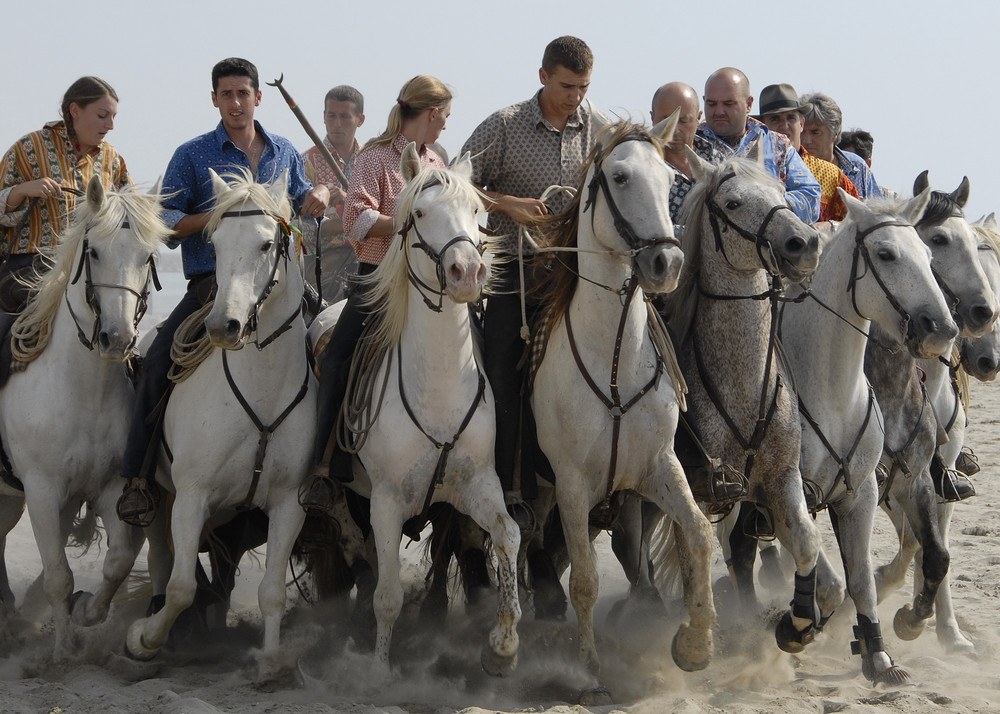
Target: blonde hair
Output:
[(417, 95)]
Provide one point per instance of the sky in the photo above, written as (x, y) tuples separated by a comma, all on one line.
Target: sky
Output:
[(906, 71)]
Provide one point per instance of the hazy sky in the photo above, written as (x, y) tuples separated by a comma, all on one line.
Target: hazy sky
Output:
[(906, 71)]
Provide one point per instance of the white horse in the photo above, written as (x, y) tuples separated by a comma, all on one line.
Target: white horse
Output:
[(874, 270), (945, 384), (431, 436), (606, 394), (257, 385), (63, 417)]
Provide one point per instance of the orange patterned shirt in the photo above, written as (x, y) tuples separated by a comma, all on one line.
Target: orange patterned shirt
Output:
[(831, 207)]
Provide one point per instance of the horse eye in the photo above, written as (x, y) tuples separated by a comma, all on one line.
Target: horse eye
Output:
[(93, 254), (733, 205), (984, 247), (418, 213), (886, 255), (939, 239), (267, 246), (620, 178)]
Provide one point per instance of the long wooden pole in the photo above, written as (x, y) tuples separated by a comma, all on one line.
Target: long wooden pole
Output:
[(310, 131)]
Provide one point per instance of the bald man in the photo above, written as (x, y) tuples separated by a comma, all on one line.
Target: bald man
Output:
[(729, 127), (677, 95)]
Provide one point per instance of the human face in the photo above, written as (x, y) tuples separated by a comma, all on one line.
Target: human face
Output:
[(687, 121), (236, 99), (727, 107), (438, 122), (818, 139), (92, 122), (789, 123), (562, 93), (342, 121)]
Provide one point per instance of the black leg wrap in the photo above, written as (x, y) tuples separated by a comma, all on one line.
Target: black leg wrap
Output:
[(803, 606), (868, 644)]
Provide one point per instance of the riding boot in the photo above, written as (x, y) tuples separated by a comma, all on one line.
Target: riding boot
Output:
[(711, 481), (950, 484)]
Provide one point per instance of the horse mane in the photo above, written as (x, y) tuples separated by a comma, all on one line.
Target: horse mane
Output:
[(388, 295), (46, 287), (940, 208), (556, 288), (245, 188), (682, 304)]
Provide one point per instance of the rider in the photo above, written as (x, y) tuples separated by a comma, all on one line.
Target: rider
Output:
[(517, 153), (419, 116), (237, 142), (41, 177)]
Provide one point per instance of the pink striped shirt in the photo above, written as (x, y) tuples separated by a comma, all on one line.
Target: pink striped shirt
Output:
[(375, 185)]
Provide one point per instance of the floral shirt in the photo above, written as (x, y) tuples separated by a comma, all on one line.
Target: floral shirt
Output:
[(802, 191), (188, 186), (517, 152), (50, 153), (682, 184), (374, 189)]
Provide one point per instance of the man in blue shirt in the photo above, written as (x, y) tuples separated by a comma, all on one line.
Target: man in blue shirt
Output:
[(237, 142), (730, 128)]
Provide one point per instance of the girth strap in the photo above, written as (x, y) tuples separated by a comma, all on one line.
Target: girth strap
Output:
[(264, 432)]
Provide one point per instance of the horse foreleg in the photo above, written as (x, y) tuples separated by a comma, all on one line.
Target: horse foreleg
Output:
[(47, 519), (920, 506), (584, 581), (692, 646), (500, 656), (890, 577), (948, 632), (124, 543), (285, 522), (148, 635), (11, 508), (387, 528)]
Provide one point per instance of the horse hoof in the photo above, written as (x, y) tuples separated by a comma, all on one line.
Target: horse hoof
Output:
[(497, 665), (596, 697), (906, 624), (789, 639), (691, 652), (78, 608), (134, 646), (894, 675)]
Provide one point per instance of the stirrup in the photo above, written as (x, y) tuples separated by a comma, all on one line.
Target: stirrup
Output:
[(138, 503), (815, 498), (953, 486), (967, 461), (523, 515), (317, 495), (717, 484), (759, 524)]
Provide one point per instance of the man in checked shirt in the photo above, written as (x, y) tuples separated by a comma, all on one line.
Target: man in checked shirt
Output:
[(517, 153)]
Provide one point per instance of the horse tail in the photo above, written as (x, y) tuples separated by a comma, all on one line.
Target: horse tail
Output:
[(665, 561), (84, 531)]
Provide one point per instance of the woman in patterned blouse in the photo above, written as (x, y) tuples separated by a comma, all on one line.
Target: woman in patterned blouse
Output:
[(41, 172)]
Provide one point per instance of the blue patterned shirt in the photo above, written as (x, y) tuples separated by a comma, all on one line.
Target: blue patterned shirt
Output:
[(857, 170), (802, 190), (188, 186)]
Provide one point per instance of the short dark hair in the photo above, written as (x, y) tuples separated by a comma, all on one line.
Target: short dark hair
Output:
[(570, 52), (857, 141), (82, 92), (234, 67), (346, 93)]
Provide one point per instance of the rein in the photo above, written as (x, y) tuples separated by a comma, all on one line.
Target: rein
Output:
[(90, 292), (614, 404), (715, 214)]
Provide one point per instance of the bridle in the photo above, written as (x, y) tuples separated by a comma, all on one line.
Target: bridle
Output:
[(91, 298), (436, 257), (861, 253), (282, 236)]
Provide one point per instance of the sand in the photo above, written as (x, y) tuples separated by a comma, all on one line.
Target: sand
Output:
[(438, 672)]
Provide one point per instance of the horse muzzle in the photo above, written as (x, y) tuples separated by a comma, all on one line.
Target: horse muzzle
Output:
[(928, 336), (465, 275), (116, 344), (658, 267), (797, 252), (225, 332)]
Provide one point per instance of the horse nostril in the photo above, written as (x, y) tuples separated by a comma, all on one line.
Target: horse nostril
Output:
[(104, 340), (455, 273), (795, 245), (982, 315), (986, 365), (233, 327)]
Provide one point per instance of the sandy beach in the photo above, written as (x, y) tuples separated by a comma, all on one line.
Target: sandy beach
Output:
[(438, 672)]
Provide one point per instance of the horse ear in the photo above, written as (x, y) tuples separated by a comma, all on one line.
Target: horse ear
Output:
[(854, 205), (219, 186), (664, 129), (921, 182), (961, 194), (598, 120), (990, 223), (463, 166), (913, 209), (157, 187), (278, 189), (409, 164), (755, 154), (95, 194), (699, 167)]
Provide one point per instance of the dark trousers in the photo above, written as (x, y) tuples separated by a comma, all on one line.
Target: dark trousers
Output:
[(504, 350), (335, 366), (153, 382)]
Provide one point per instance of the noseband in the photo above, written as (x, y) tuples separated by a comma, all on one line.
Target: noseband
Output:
[(437, 258), (90, 292), (282, 234), (716, 214)]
